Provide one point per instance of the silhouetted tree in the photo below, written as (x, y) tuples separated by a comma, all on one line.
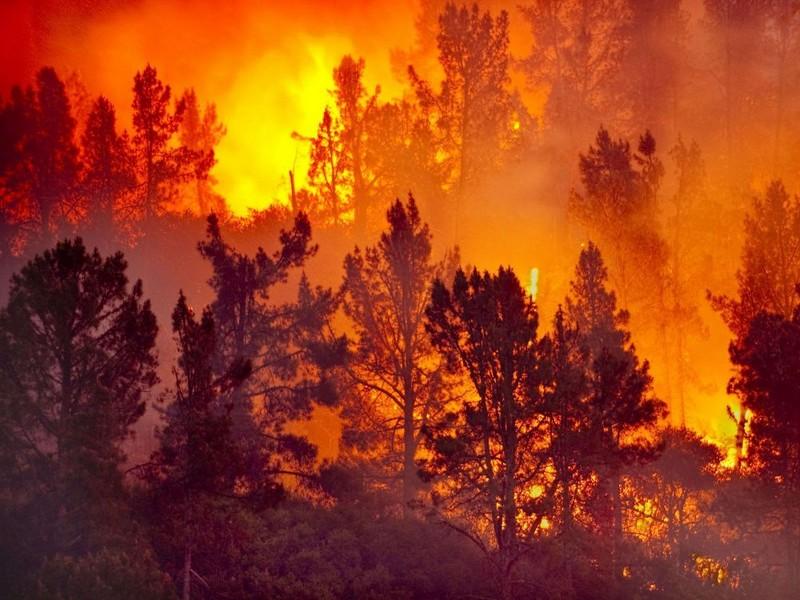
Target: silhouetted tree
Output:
[(289, 345), (200, 133), (329, 172), (618, 207), (16, 214), (198, 457), (622, 407), (672, 498), (160, 164), (76, 355), (48, 165), (108, 167), (579, 48), (768, 382), (488, 452), (769, 272), (473, 109), (398, 376), (564, 363)]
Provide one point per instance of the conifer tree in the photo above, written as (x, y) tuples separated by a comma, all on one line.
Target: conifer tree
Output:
[(161, 164), (489, 451), (398, 376), (77, 354), (108, 167), (621, 405), (198, 459), (290, 346)]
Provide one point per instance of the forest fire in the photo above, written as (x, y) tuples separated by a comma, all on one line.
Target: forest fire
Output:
[(269, 324)]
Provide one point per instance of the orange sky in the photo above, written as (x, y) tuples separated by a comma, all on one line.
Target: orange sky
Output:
[(267, 67)]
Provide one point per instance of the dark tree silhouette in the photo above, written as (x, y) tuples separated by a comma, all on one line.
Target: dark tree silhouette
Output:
[(768, 382), (474, 111), (76, 355), (578, 53), (769, 271), (49, 167), (200, 133), (329, 172), (198, 457), (622, 407), (108, 167), (288, 345), (398, 376), (160, 165), (489, 450)]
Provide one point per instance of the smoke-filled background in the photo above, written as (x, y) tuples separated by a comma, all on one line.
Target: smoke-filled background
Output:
[(267, 161), (268, 70)]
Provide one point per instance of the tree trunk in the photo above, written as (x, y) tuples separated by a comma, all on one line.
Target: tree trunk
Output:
[(409, 466), (187, 572), (616, 539)]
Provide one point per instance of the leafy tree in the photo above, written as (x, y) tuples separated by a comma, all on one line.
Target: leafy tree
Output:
[(289, 345), (398, 376), (198, 455), (622, 407), (769, 272), (108, 166), (200, 133), (160, 164), (76, 355), (767, 381), (474, 111), (578, 53), (488, 452)]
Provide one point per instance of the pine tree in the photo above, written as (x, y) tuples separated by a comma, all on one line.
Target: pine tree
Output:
[(578, 54), (770, 270), (201, 133), (16, 211), (398, 376), (489, 452), (108, 167), (161, 165), (768, 382), (77, 353), (289, 345), (51, 156), (474, 111), (622, 407), (329, 171), (198, 458)]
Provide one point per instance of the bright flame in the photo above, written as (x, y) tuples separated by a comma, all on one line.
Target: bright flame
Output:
[(534, 287)]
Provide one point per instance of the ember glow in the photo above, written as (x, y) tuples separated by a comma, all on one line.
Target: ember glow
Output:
[(269, 324)]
